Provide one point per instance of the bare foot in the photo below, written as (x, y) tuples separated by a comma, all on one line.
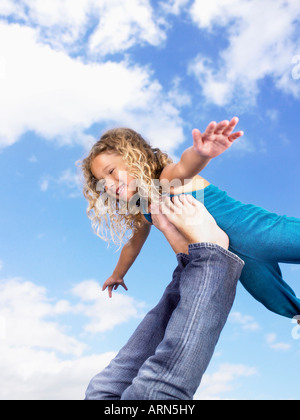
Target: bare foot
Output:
[(193, 220), (175, 238)]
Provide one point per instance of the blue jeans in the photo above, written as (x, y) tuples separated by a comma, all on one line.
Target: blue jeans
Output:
[(170, 350)]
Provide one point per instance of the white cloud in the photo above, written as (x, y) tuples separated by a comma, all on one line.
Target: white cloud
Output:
[(177, 95), (66, 15), (2, 68), (44, 184), (216, 12), (123, 24), (10, 8), (60, 97), (40, 236), (258, 47), (214, 385), (29, 314), (68, 181), (104, 313), (276, 345), (33, 159), (103, 26), (2, 328), (272, 114), (174, 6), (72, 181), (246, 322), (39, 357), (31, 374)]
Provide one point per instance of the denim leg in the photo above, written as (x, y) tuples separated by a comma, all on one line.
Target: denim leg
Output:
[(207, 291), (119, 374)]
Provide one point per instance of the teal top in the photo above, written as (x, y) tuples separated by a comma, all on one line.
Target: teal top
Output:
[(262, 240)]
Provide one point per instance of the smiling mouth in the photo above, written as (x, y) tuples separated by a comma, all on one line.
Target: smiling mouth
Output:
[(120, 190)]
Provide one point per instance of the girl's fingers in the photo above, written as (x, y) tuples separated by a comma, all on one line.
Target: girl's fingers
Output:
[(115, 286), (224, 127), (197, 136), (235, 136), (231, 126), (211, 128), (221, 127)]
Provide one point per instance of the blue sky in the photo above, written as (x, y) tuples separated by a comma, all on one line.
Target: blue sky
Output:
[(68, 71)]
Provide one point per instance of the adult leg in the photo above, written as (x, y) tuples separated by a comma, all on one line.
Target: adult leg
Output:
[(119, 374), (207, 290)]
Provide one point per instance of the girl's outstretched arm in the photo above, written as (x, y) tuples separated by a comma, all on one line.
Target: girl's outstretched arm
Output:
[(127, 257), (215, 140)]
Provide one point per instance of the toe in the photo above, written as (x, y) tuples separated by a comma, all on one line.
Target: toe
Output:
[(191, 200), (178, 200)]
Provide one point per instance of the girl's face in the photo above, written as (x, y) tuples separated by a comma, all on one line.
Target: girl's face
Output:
[(111, 168)]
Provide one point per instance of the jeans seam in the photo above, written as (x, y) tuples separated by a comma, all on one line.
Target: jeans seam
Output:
[(183, 255), (217, 247), (184, 338)]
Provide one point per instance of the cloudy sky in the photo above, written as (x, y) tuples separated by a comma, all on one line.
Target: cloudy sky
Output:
[(69, 69)]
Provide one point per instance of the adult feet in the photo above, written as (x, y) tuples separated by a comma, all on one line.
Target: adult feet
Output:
[(175, 238), (193, 221)]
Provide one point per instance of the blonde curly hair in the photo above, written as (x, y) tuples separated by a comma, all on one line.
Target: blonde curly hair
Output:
[(145, 163)]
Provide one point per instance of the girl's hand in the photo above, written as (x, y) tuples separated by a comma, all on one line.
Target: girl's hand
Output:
[(216, 139), (112, 283)]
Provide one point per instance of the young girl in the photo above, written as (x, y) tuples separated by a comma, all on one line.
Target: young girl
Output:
[(122, 168)]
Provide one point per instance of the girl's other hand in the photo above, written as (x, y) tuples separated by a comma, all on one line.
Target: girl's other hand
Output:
[(112, 283), (216, 139)]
